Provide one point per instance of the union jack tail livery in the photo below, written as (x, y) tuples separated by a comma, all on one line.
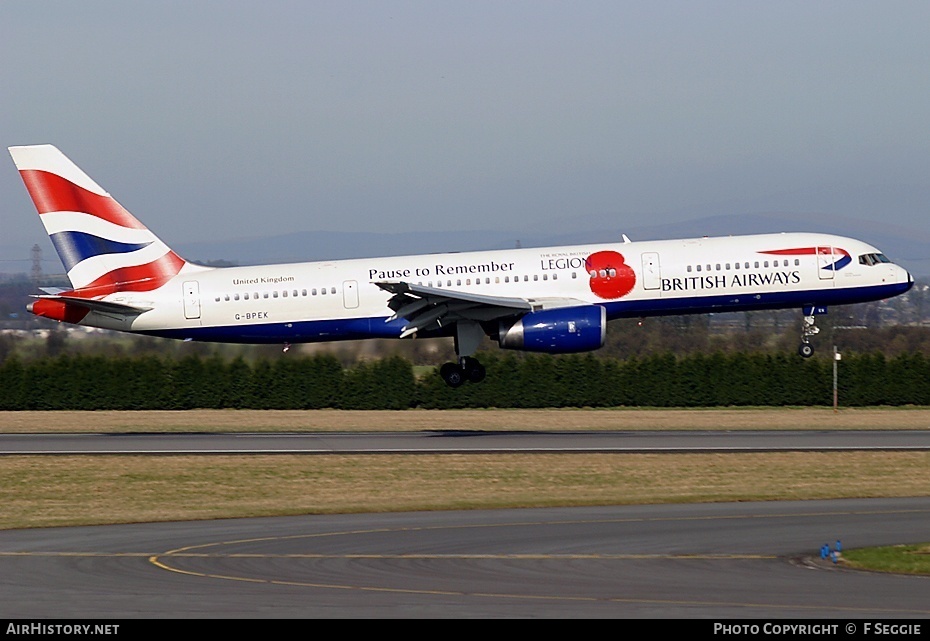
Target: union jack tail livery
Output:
[(552, 299), (103, 247)]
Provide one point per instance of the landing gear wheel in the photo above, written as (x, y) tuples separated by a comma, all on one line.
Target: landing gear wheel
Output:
[(476, 373), (452, 374), (806, 350)]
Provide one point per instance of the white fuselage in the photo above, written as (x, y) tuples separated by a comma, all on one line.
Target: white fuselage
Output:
[(332, 300)]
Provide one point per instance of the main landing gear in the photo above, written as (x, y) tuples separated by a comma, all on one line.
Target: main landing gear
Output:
[(468, 335), (808, 329), (467, 369)]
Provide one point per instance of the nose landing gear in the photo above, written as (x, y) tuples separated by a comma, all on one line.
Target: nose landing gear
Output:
[(808, 329)]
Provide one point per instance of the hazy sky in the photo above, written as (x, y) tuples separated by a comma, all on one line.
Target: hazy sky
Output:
[(231, 119)]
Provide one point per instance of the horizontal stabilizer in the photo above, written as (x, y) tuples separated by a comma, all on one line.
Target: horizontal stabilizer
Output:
[(52, 291), (98, 305)]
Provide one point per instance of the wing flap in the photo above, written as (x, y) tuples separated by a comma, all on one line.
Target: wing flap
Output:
[(426, 308), (434, 294)]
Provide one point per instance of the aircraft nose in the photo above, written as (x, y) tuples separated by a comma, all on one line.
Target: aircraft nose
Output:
[(910, 278)]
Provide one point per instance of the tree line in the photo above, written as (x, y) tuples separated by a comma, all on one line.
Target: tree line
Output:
[(80, 382)]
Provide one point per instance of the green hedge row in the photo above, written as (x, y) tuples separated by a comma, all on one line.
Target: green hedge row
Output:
[(146, 383)]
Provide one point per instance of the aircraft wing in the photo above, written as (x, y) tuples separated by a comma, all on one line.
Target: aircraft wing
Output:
[(428, 307)]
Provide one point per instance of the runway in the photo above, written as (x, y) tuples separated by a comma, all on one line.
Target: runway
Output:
[(468, 441), (724, 561), (708, 561)]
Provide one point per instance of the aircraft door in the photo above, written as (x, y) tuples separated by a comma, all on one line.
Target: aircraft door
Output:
[(191, 300), (350, 294), (652, 276), (826, 258)]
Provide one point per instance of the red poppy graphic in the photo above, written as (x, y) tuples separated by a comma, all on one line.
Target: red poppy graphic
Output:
[(610, 276)]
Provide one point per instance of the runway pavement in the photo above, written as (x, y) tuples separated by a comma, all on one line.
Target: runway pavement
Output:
[(719, 561), (470, 441), (722, 561)]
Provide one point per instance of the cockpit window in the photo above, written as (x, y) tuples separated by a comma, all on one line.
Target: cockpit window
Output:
[(873, 259)]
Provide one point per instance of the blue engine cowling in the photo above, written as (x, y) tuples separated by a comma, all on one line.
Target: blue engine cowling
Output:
[(556, 331)]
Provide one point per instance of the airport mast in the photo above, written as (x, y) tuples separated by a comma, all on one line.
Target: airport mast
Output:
[(36, 264)]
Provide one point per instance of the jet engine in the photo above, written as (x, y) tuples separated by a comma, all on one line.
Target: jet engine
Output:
[(556, 331)]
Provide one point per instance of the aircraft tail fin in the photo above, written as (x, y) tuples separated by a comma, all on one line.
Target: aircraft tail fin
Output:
[(102, 246)]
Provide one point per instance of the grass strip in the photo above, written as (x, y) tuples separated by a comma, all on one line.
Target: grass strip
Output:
[(41, 491)]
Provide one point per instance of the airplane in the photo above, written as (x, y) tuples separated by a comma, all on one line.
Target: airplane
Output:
[(552, 299)]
